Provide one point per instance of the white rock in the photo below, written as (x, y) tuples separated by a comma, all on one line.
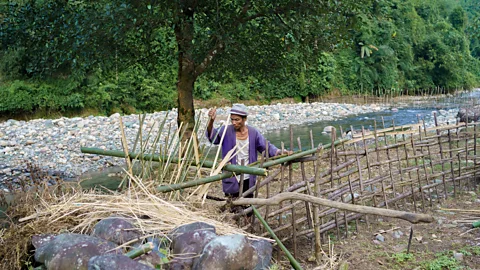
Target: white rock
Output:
[(328, 129)]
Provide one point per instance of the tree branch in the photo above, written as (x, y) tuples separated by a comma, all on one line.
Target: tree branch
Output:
[(199, 69), (277, 199)]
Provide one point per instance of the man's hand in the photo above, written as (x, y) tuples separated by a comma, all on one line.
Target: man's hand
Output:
[(280, 152), (212, 114)]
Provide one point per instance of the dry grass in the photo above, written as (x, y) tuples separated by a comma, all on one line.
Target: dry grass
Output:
[(78, 211)]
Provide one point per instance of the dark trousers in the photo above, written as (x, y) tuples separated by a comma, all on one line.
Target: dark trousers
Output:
[(246, 185)]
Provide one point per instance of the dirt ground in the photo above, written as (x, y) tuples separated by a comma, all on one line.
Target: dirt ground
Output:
[(449, 242), (433, 246)]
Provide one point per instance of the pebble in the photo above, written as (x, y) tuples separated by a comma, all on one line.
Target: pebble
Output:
[(380, 238), (54, 145), (458, 256)]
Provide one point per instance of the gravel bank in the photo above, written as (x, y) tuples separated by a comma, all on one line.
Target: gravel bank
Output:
[(54, 145)]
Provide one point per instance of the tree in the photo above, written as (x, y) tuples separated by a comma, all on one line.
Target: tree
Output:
[(248, 36)]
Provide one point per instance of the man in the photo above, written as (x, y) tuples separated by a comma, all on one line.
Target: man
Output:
[(249, 141)]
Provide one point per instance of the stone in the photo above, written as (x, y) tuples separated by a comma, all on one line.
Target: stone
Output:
[(115, 262), (228, 252), (72, 251), (458, 256), (41, 239), (115, 229), (190, 243), (264, 252), (48, 123), (328, 129), (472, 114), (380, 238), (29, 142), (195, 226), (60, 123)]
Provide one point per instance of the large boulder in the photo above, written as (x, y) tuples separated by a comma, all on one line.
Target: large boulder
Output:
[(71, 251), (42, 239), (195, 226), (187, 246), (264, 250), (470, 114), (228, 252), (115, 229), (115, 262)]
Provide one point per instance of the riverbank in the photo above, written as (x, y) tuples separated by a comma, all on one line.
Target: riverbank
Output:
[(54, 145)]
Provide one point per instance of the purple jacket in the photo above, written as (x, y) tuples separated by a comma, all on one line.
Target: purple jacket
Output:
[(256, 143)]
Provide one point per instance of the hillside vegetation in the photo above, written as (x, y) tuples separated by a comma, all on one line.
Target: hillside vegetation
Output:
[(122, 56)]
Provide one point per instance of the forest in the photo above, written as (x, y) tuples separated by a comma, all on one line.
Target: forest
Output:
[(125, 56)]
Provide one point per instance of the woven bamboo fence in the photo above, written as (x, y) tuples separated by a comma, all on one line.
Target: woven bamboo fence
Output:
[(408, 168)]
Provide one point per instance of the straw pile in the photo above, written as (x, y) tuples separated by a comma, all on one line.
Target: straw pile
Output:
[(79, 211)]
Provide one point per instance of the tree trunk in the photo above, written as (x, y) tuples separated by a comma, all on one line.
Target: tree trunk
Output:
[(184, 32), (185, 84)]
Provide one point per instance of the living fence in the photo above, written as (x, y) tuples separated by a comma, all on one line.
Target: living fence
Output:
[(407, 168), (403, 168)]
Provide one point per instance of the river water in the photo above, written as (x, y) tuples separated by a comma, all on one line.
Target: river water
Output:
[(409, 112)]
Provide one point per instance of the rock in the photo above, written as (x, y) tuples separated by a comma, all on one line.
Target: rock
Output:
[(48, 123), (29, 142), (328, 129), (115, 262), (349, 197), (325, 113), (41, 239), (60, 123), (458, 256), (228, 252), (114, 116), (115, 229), (190, 243), (473, 114), (264, 252), (380, 238), (71, 251), (196, 226), (394, 110), (397, 234)]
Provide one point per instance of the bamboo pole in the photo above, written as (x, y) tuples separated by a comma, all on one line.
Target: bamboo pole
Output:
[(145, 248), (229, 167), (309, 191), (292, 260), (451, 162), (202, 181), (445, 191), (290, 181)]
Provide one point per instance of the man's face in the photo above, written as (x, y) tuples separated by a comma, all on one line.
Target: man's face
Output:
[(237, 121)]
